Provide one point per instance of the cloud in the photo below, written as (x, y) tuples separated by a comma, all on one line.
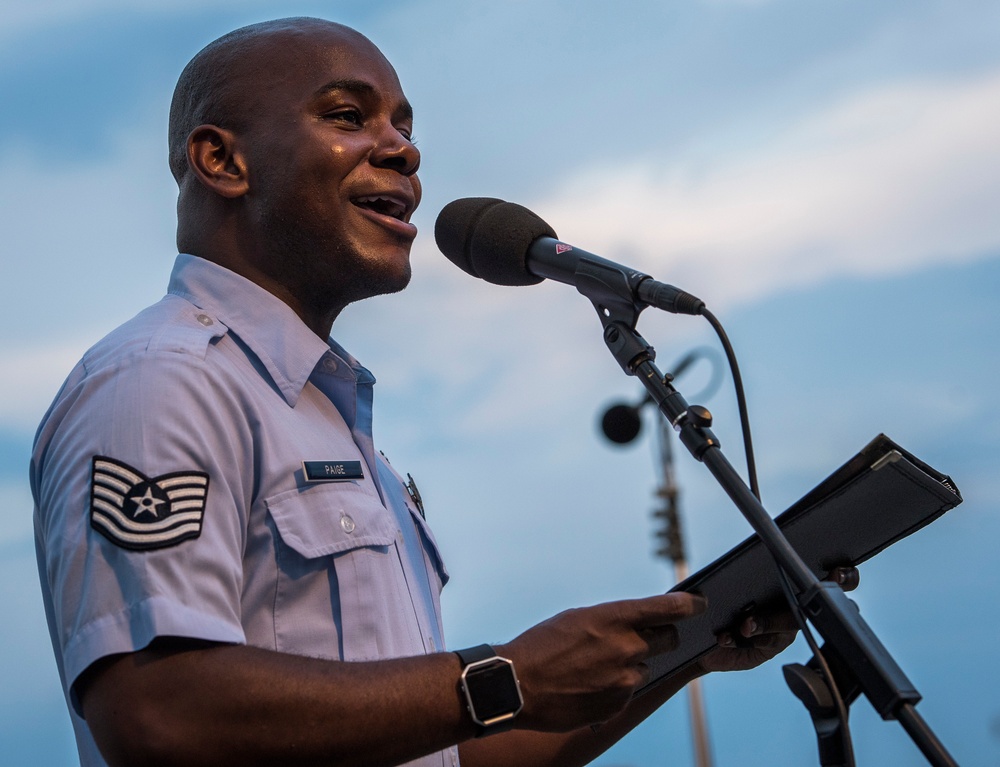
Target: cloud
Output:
[(887, 180), (24, 397)]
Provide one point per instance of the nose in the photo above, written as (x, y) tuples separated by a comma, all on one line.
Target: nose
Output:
[(396, 152)]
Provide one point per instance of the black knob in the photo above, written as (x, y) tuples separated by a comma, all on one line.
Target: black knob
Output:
[(699, 416)]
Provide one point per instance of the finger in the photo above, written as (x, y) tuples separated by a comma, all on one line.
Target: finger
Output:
[(660, 639), (663, 609), (768, 623), (645, 674), (761, 641)]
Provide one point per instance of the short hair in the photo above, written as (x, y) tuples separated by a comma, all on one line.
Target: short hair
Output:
[(210, 89)]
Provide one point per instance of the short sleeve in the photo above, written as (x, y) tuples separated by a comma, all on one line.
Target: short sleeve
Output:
[(143, 478)]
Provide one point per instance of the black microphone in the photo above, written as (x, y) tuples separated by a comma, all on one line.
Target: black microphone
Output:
[(506, 244), (621, 423)]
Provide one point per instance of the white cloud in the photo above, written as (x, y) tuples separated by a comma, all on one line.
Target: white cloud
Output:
[(31, 378), (888, 180)]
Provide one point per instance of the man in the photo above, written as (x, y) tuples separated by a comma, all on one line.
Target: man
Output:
[(232, 573)]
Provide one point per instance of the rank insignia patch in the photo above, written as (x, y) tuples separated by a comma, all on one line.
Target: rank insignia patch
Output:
[(136, 512)]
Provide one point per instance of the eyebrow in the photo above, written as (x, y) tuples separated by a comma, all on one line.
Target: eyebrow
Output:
[(363, 88)]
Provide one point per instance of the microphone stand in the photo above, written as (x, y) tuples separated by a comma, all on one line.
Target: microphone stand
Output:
[(861, 657), (617, 429)]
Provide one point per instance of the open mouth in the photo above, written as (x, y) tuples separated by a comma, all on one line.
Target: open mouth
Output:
[(384, 206)]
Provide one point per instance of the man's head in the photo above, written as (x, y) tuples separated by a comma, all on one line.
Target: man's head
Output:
[(290, 142)]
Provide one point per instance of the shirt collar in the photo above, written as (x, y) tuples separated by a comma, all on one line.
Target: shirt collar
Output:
[(286, 347)]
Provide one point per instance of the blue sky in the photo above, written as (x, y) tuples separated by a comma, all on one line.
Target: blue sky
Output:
[(825, 175)]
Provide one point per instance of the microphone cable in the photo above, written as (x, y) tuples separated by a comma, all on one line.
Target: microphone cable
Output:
[(741, 400), (786, 585)]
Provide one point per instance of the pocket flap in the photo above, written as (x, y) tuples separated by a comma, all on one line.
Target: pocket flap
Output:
[(422, 525), (330, 519)]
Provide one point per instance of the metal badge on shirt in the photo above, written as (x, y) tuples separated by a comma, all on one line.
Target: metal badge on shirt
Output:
[(332, 471), (411, 488), (141, 513)]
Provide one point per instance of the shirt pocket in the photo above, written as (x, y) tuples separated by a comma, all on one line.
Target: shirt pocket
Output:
[(331, 519), (340, 591), (394, 484)]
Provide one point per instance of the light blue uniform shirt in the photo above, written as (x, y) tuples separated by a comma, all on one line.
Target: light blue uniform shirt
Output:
[(171, 497)]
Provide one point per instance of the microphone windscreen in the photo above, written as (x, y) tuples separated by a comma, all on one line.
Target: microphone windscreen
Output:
[(489, 238)]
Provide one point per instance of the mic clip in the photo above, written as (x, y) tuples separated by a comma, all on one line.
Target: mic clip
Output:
[(612, 290), (619, 294)]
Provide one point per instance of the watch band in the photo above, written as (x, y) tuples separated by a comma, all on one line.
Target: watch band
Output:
[(475, 654)]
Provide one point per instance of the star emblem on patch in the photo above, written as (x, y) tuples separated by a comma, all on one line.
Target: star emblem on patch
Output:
[(141, 513)]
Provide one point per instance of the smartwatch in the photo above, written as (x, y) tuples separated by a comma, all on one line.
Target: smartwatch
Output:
[(492, 692)]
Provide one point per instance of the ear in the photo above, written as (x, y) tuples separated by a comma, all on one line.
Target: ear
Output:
[(214, 158)]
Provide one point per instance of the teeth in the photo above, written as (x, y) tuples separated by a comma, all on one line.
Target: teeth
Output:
[(385, 205)]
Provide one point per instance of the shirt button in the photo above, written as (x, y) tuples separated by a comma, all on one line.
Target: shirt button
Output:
[(204, 319), (330, 365), (347, 523)]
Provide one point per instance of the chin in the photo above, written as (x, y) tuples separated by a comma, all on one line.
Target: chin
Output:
[(384, 280), (399, 283)]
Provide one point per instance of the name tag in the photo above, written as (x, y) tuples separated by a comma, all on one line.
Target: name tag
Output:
[(332, 471)]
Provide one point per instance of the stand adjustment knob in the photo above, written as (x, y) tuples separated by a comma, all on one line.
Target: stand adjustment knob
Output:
[(699, 416)]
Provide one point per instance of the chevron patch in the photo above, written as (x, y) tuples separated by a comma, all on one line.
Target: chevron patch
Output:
[(136, 512)]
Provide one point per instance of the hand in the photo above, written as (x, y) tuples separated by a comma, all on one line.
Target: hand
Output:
[(764, 636), (583, 666)]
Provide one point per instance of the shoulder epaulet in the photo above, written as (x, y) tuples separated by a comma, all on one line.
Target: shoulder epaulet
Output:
[(191, 332)]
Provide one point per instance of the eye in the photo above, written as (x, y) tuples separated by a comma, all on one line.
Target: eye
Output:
[(350, 116)]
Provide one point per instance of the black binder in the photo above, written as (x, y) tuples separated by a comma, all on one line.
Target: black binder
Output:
[(878, 497)]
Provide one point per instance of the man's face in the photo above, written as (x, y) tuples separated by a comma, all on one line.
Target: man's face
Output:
[(331, 168)]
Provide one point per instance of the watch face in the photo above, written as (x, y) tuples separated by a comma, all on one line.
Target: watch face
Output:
[(493, 691)]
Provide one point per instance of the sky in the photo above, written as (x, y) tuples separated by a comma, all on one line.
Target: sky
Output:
[(825, 175)]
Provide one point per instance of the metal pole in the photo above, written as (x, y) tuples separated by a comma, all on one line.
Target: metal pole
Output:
[(673, 550)]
